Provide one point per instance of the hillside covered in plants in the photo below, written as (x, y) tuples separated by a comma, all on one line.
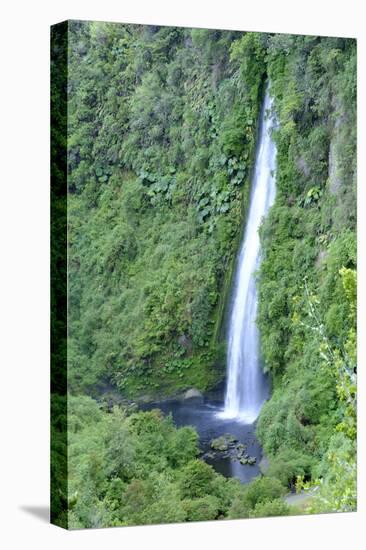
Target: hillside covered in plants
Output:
[(162, 129), (161, 139), (307, 281)]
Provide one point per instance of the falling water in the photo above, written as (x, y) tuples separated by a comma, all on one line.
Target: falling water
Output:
[(247, 387)]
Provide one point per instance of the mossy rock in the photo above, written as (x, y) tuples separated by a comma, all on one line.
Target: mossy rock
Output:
[(223, 442), (240, 450), (231, 439), (250, 460), (219, 444)]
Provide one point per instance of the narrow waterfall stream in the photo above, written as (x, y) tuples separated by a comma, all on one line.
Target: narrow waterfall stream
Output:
[(247, 387)]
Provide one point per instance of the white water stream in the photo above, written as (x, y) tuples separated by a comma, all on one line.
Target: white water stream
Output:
[(247, 387)]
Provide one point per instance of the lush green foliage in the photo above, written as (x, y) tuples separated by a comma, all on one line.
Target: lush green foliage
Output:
[(161, 138), (307, 279), (58, 259), (262, 491), (162, 127), (137, 468)]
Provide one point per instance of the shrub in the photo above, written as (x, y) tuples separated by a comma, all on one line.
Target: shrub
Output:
[(202, 509), (196, 479), (276, 507)]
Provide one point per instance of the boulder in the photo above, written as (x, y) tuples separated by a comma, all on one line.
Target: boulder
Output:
[(223, 442), (219, 444), (193, 393), (231, 439), (240, 449), (246, 459), (209, 455)]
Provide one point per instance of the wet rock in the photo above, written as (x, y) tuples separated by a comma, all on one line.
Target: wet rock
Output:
[(246, 459), (334, 179), (231, 439), (219, 444), (240, 449), (223, 442), (193, 393), (209, 455)]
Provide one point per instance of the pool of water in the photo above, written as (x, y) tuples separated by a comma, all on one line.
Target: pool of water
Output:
[(205, 417)]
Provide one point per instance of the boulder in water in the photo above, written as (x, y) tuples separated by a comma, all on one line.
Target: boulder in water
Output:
[(250, 460), (219, 444), (209, 455), (240, 449), (223, 442), (231, 439)]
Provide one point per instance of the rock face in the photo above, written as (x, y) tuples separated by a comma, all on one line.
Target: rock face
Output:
[(303, 166), (335, 180), (320, 260), (193, 393)]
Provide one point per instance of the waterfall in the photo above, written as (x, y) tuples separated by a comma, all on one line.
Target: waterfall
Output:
[(247, 386)]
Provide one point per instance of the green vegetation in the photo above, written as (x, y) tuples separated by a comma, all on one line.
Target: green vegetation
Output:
[(307, 282), (162, 126), (58, 270), (137, 468), (162, 131)]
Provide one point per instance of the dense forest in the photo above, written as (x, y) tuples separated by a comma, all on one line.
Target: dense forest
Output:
[(161, 137)]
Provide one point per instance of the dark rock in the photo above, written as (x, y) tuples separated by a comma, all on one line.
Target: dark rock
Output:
[(231, 439), (209, 455)]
